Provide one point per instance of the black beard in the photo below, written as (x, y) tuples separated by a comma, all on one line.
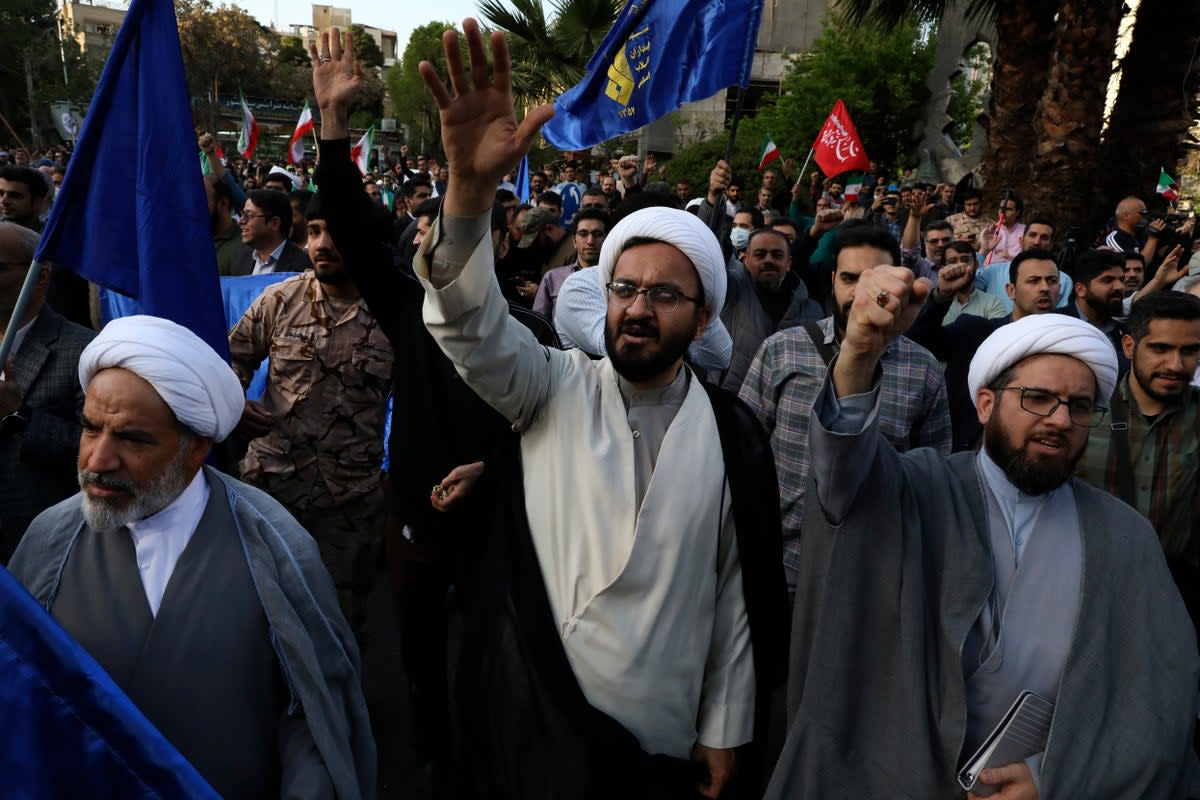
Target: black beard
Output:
[(1111, 308), (641, 367), (1030, 476)]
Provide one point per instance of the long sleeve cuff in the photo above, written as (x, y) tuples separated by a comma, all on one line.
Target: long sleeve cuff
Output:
[(845, 415), (455, 239)]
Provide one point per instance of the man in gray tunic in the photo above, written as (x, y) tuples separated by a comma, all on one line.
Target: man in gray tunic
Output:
[(936, 590), (198, 594)]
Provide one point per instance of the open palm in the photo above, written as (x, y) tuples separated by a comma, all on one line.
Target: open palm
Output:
[(480, 133)]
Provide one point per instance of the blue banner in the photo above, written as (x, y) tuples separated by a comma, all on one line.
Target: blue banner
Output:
[(132, 215), (659, 55), (69, 731)]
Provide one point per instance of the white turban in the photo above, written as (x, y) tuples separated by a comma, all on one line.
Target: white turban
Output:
[(188, 375), (679, 229), (1041, 334)]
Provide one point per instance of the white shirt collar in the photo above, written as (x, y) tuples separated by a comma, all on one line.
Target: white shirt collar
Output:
[(160, 539)]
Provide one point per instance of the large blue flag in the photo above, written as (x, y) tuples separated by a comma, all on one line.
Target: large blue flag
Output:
[(659, 55), (132, 215), (68, 731)]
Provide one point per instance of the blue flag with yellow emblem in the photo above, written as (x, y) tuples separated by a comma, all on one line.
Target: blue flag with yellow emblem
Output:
[(659, 55)]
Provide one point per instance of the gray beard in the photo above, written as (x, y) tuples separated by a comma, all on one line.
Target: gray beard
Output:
[(147, 500)]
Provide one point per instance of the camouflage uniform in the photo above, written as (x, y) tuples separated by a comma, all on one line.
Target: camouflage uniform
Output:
[(327, 386)]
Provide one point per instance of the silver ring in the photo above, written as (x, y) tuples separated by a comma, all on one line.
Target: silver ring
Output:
[(324, 59), (882, 298)]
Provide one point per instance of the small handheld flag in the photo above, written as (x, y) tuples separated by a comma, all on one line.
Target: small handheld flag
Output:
[(248, 141), (1166, 186), (768, 154), (360, 154), (853, 187), (838, 148), (304, 126)]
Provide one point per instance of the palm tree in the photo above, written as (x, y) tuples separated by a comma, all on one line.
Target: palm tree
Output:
[(1052, 61), (549, 55), (1070, 114), (1160, 89)]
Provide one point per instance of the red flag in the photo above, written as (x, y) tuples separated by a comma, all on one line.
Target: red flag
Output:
[(838, 148)]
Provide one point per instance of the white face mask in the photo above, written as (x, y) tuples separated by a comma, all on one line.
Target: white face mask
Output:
[(740, 237)]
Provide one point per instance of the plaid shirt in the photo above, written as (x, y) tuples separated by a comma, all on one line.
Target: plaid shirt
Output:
[(783, 383), (1166, 469)]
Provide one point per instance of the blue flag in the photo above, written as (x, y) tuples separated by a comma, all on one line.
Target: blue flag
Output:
[(523, 180), (659, 55), (132, 214), (68, 730)]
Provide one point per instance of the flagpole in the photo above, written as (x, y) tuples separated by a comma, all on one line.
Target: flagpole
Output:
[(807, 159), (10, 333)]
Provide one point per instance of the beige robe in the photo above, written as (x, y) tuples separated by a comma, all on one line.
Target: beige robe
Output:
[(648, 602)]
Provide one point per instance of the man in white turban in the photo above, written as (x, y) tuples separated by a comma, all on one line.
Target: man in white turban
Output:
[(199, 595), (943, 590), (624, 628)]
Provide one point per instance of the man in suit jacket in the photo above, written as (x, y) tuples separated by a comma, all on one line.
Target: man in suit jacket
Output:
[(266, 222), (40, 398)]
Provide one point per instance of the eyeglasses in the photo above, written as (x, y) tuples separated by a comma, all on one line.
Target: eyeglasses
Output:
[(660, 298), (247, 215), (590, 234), (1083, 413)]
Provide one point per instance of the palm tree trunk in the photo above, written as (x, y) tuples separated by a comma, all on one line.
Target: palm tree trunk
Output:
[(1023, 29), (1160, 86), (1070, 113)]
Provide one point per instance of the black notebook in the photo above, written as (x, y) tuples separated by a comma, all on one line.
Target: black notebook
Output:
[(1021, 733)]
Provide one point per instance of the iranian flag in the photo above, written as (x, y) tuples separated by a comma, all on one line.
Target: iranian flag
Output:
[(1166, 186), (360, 154), (248, 141), (304, 126), (853, 186), (769, 153)]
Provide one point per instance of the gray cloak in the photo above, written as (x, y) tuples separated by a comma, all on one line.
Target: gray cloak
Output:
[(891, 585), (316, 650)]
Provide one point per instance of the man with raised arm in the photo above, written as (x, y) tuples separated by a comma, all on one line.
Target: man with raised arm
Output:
[(939, 590), (625, 624)]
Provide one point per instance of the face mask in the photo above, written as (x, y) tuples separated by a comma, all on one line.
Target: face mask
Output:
[(740, 237)]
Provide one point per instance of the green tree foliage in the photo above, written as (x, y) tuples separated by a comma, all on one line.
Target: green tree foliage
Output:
[(693, 164), (366, 50), (292, 51), (29, 38), (411, 102), (969, 86), (879, 75), (224, 47), (549, 55)]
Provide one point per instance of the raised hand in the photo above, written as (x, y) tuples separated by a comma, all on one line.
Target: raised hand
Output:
[(953, 278), (886, 302), (480, 133), (337, 80)]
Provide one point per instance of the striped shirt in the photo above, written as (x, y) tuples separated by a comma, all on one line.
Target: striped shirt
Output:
[(783, 383)]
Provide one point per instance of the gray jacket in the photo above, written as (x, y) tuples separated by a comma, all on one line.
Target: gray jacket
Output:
[(895, 576), (316, 649)]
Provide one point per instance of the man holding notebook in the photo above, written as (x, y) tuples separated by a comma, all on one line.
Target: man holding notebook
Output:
[(936, 593)]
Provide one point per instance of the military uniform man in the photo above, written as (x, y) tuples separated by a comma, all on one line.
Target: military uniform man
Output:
[(319, 427)]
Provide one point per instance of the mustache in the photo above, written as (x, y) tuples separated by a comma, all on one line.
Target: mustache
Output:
[(634, 328), (104, 481)]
